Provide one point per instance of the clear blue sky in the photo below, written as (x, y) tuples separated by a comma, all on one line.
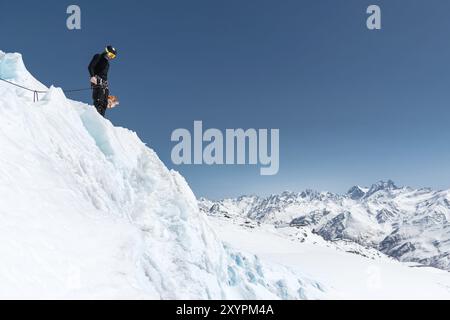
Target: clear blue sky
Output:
[(353, 106)]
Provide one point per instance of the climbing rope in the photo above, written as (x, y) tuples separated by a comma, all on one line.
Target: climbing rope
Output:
[(37, 92)]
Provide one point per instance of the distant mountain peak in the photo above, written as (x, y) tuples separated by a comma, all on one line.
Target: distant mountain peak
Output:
[(388, 185), (357, 192)]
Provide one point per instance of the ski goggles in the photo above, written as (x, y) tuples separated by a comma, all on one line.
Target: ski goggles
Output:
[(110, 55)]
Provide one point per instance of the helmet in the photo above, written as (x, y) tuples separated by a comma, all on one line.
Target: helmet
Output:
[(111, 52)]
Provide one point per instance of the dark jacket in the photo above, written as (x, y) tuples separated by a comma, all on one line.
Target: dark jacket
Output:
[(99, 66)]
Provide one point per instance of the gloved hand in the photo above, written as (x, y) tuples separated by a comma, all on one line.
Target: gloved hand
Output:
[(94, 80)]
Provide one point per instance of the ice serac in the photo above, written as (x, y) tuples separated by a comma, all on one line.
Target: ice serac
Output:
[(88, 211)]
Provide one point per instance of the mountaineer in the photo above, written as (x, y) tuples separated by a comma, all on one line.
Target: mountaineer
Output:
[(98, 70)]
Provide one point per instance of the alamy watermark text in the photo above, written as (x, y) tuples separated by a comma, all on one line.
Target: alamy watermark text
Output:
[(235, 147)]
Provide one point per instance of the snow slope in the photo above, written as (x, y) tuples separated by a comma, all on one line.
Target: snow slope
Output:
[(88, 211), (348, 275)]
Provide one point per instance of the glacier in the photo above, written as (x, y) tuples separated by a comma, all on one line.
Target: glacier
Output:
[(88, 211)]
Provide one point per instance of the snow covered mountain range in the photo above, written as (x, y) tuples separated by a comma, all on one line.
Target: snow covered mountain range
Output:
[(407, 224)]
